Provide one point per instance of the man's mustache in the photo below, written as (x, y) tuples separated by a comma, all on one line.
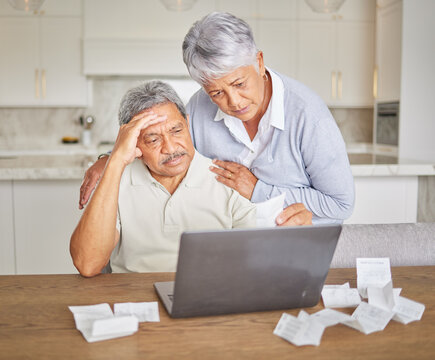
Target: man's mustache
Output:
[(172, 157)]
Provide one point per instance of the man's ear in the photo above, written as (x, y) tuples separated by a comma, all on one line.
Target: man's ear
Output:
[(187, 121)]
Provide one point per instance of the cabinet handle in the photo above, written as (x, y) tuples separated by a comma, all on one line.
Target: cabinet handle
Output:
[(375, 82), (37, 83), (333, 85), (340, 85), (43, 83)]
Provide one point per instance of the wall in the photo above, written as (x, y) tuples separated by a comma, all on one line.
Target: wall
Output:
[(417, 117)]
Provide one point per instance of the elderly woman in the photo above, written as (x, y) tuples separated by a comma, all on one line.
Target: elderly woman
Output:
[(268, 134)]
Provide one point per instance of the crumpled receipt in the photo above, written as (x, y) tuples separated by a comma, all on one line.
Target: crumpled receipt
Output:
[(368, 318), (299, 331), (384, 304), (144, 311), (373, 272), (340, 296), (97, 322)]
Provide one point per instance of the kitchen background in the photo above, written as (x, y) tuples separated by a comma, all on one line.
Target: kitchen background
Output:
[(75, 58)]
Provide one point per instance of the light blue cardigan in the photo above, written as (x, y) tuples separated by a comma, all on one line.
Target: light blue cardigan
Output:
[(307, 160)]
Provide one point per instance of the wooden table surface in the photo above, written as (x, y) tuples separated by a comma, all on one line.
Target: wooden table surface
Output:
[(35, 323)]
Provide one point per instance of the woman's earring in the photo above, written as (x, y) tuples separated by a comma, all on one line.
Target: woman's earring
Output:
[(265, 77)]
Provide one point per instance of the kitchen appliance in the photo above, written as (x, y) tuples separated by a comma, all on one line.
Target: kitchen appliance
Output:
[(387, 125)]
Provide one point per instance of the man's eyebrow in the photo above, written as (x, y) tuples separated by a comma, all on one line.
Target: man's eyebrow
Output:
[(176, 126), (150, 134)]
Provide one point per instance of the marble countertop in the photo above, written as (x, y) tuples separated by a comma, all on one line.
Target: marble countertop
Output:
[(367, 164), (66, 162), (72, 162)]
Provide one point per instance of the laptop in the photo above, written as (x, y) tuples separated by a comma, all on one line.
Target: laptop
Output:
[(246, 270)]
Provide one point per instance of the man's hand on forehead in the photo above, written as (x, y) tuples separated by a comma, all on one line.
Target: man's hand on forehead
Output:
[(147, 117), (125, 147)]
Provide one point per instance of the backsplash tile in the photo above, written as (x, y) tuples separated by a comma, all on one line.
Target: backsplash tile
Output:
[(356, 125)]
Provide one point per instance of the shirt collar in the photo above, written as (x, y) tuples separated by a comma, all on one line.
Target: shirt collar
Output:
[(275, 108)]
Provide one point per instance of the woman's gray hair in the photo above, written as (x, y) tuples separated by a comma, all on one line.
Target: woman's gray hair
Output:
[(144, 97), (216, 45)]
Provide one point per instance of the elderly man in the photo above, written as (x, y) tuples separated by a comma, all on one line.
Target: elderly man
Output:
[(154, 187)]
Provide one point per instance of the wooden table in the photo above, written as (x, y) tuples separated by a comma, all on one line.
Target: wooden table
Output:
[(35, 323)]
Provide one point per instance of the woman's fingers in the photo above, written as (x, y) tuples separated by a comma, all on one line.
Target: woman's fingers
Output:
[(92, 175)]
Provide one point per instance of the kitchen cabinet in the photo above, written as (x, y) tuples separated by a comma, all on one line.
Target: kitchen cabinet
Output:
[(336, 59), (45, 215), (40, 62), (274, 25), (385, 200), (279, 56), (130, 45), (7, 247), (388, 50)]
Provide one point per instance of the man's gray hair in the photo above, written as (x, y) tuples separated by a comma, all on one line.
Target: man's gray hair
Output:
[(216, 45), (144, 97)]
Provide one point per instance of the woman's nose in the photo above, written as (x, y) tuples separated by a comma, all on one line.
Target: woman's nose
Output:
[(233, 99)]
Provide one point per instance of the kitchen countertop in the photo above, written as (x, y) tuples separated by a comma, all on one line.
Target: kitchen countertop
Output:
[(72, 162), (367, 164), (67, 162)]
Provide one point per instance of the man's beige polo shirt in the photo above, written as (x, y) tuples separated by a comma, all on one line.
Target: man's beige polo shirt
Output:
[(151, 221)]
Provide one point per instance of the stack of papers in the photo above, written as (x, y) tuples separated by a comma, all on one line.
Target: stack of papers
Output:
[(97, 322), (384, 304)]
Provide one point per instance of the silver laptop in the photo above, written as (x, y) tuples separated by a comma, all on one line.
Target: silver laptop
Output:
[(237, 271)]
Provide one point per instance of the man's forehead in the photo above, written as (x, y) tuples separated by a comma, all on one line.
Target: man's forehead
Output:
[(164, 126)]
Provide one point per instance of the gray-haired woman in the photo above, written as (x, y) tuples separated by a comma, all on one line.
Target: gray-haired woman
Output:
[(268, 134)]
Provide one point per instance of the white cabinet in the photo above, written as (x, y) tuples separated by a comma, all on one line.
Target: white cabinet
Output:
[(336, 59), (317, 58), (60, 48), (46, 213), (385, 200), (19, 68), (7, 248), (40, 61), (332, 54), (389, 50), (136, 37), (355, 63), (277, 40)]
